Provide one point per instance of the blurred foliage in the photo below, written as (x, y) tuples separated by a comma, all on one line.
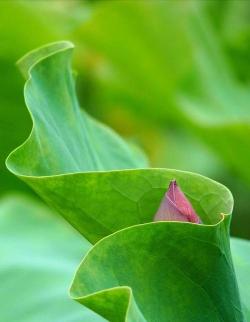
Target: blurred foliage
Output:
[(172, 76), (39, 253)]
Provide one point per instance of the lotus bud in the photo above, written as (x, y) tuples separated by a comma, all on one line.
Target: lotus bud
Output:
[(176, 207)]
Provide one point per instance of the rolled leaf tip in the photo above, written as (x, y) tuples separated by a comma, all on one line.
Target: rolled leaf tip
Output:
[(176, 207)]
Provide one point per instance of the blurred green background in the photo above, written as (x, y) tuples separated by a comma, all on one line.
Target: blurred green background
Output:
[(172, 76)]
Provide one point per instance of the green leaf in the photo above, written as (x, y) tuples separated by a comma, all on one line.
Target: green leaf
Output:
[(60, 127), (240, 252), (66, 141), (50, 22), (39, 252), (78, 167), (175, 272)]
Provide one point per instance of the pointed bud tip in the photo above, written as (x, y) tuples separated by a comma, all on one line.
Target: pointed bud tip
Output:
[(176, 207), (173, 183)]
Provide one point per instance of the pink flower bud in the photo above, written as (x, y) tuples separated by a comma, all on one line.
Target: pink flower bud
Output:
[(176, 207)]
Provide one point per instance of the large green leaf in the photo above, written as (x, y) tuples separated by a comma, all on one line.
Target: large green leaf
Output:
[(175, 273), (65, 139), (67, 153), (39, 252), (78, 166)]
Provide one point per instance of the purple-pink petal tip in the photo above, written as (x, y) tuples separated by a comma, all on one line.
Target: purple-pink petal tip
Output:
[(176, 207)]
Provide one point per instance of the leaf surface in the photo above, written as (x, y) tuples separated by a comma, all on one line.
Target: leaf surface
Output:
[(175, 272), (70, 154), (240, 252), (39, 252)]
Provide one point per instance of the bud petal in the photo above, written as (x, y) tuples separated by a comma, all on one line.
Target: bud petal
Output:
[(176, 207)]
